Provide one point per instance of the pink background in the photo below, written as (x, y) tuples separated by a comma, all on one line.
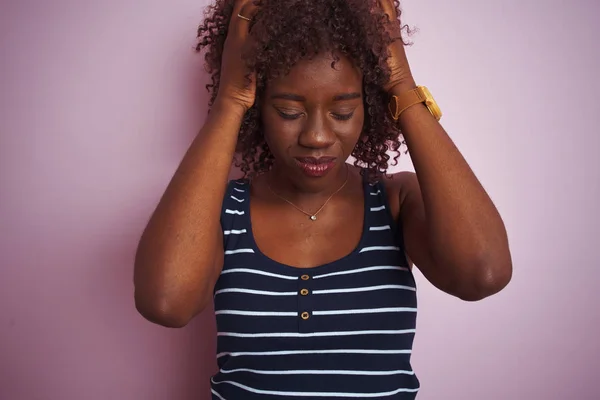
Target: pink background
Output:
[(98, 102)]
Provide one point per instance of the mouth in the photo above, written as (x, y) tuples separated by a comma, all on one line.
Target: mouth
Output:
[(315, 167)]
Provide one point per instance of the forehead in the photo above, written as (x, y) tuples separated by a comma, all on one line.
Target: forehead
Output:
[(316, 76)]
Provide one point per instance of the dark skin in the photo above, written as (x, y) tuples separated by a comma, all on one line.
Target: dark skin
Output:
[(313, 111), (452, 231)]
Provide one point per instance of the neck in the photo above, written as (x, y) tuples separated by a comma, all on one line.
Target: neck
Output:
[(306, 190)]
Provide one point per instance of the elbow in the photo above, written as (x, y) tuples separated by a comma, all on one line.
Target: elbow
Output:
[(161, 312), (486, 280), (165, 301), (166, 312)]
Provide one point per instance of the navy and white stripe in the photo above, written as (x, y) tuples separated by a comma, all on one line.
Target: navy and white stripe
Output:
[(341, 330)]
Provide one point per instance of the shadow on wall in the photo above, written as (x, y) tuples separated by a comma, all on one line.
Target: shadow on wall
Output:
[(160, 362), (142, 359)]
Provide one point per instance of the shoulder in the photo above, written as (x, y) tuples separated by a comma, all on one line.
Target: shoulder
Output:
[(398, 187)]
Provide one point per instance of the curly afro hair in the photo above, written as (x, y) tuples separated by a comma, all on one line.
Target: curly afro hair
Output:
[(284, 32)]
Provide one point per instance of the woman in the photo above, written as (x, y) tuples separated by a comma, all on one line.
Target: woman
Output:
[(308, 258)]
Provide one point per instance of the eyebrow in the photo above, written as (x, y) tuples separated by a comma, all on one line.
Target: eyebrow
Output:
[(295, 97), (347, 96)]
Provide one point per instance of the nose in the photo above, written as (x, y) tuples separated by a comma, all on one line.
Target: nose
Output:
[(316, 133)]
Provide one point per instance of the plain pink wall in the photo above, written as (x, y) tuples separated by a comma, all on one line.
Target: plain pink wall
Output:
[(98, 102)]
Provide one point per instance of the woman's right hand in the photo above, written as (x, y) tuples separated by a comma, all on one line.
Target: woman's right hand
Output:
[(234, 85)]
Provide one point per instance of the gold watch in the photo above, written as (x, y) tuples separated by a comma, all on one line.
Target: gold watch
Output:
[(420, 94)]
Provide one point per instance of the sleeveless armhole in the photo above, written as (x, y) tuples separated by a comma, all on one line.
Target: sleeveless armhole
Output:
[(224, 222), (228, 220), (396, 226)]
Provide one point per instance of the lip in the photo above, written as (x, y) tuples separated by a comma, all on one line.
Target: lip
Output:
[(315, 160), (315, 167)]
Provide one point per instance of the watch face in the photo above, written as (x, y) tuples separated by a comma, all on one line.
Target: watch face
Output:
[(431, 103), (434, 108)]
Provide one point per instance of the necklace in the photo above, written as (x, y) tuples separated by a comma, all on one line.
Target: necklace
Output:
[(312, 217)]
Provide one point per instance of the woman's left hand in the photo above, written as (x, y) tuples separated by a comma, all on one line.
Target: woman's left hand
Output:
[(400, 74)]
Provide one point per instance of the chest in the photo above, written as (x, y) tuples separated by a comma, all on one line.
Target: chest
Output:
[(360, 286), (290, 237)]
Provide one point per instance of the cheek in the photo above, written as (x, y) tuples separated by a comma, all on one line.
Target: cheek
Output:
[(360, 118), (355, 125), (277, 134)]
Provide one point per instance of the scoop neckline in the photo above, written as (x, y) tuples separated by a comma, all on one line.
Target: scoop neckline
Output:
[(300, 270)]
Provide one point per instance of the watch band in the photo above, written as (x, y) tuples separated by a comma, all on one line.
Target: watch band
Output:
[(399, 103)]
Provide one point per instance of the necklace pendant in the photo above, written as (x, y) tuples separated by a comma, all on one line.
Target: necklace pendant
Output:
[(313, 217)]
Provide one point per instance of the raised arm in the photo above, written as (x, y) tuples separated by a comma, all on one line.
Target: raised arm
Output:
[(453, 232), (180, 253)]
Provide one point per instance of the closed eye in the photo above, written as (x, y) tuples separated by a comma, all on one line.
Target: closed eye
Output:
[(288, 116), (343, 117)]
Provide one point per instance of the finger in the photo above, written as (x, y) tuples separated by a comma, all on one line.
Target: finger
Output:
[(249, 10), (243, 13), (389, 8), (393, 25)]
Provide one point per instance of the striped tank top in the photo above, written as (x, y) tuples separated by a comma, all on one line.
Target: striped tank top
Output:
[(340, 330)]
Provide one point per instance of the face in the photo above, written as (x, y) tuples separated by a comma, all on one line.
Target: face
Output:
[(313, 118)]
